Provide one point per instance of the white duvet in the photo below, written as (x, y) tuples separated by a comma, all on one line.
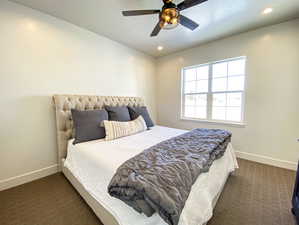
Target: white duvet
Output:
[(94, 163)]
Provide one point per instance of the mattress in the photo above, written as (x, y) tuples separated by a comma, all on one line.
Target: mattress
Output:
[(94, 163)]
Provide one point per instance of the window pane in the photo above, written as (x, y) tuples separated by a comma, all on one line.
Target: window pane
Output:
[(219, 99), (201, 100), (218, 113), (202, 86), (190, 100), (190, 74), (236, 67), (234, 99), (189, 111), (201, 112), (190, 87), (203, 72), (219, 84), (220, 70), (236, 83), (196, 106), (233, 113)]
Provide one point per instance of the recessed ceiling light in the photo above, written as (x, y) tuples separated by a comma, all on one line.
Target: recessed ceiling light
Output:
[(267, 10), (160, 48)]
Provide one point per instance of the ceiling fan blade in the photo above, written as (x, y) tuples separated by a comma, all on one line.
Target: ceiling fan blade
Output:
[(140, 12), (189, 3), (156, 30), (186, 22)]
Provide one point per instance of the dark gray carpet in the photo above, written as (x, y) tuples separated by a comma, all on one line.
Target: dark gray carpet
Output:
[(255, 195)]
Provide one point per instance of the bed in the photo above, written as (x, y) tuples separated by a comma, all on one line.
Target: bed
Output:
[(90, 166)]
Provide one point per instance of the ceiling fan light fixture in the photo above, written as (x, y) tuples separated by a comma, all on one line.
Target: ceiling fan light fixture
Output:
[(169, 18)]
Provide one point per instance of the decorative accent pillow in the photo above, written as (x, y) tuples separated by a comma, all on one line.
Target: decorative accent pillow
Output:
[(141, 111), (118, 113), (87, 125), (116, 129)]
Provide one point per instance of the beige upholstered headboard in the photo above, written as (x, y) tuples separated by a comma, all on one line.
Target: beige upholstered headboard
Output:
[(64, 104)]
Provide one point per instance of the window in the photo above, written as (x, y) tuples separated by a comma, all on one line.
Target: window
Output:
[(214, 91)]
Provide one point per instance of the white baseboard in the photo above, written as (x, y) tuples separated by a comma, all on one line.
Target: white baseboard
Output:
[(27, 177), (267, 160)]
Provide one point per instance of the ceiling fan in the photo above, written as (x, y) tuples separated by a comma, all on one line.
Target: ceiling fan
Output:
[(169, 16)]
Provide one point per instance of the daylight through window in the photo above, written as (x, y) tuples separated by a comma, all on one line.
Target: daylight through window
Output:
[(214, 91)]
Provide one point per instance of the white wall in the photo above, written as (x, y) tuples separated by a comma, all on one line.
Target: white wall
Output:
[(41, 56), (272, 97)]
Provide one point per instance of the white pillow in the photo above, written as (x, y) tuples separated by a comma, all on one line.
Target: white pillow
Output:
[(117, 129)]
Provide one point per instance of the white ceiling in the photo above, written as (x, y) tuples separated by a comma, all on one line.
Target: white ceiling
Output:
[(217, 19)]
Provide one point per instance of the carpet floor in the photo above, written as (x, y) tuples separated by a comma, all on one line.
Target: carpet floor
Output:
[(256, 195)]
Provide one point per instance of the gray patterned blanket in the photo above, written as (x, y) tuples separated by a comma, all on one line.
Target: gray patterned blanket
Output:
[(160, 178)]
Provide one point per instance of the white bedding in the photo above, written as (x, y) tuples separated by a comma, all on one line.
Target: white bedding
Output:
[(94, 163)]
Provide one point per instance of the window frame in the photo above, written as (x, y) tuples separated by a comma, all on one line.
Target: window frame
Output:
[(210, 93)]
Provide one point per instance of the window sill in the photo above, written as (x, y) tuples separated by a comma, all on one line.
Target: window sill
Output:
[(227, 123)]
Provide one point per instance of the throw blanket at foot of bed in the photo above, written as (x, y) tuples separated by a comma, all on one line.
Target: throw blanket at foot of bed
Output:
[(160, 178)]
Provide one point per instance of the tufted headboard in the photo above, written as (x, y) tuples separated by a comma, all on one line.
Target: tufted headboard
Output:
[(64, 104)]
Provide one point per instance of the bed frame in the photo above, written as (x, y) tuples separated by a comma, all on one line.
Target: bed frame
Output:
[(65, 131)]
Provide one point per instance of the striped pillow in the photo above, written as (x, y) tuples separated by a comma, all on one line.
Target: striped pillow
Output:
[(117, 129)]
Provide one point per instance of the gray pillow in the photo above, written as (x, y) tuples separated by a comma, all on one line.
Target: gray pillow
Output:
[(141, 111), (88, 125), (118, 113)]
